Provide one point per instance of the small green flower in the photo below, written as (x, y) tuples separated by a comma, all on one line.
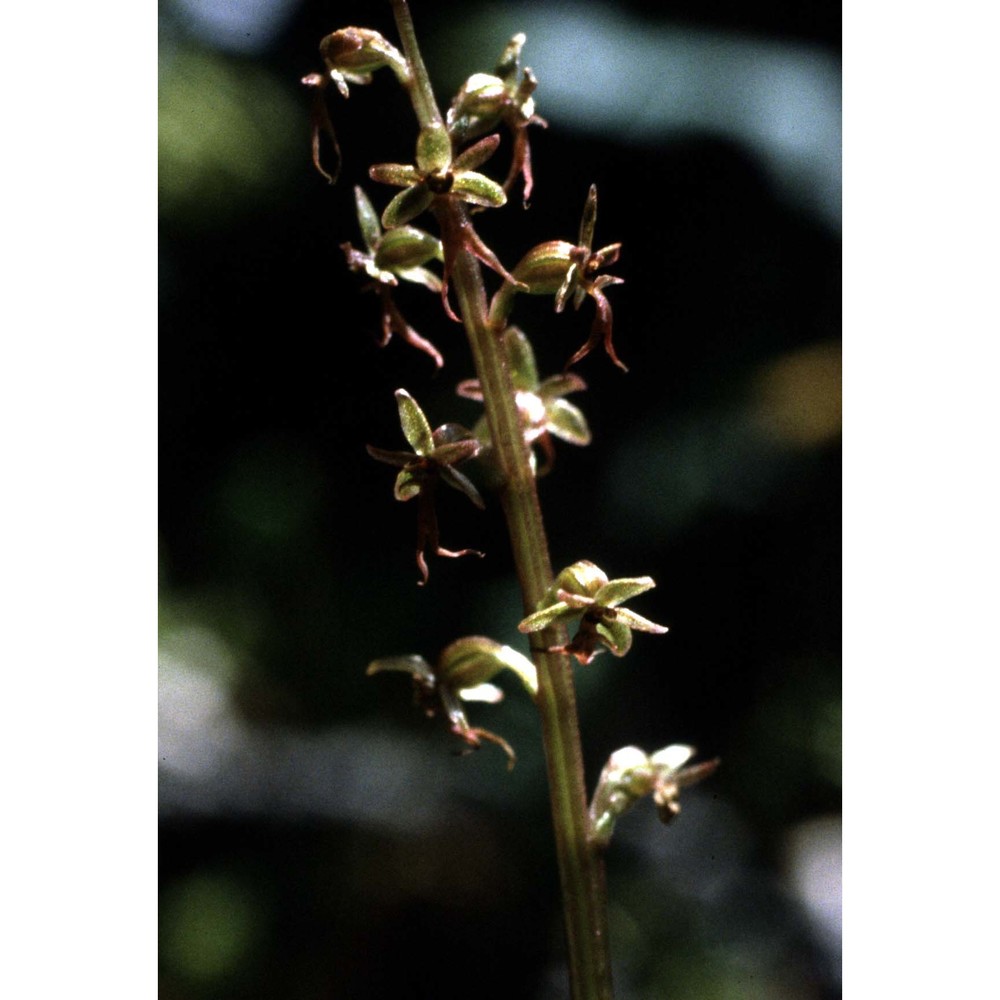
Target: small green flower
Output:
[(544, 412), (462, 674), (350, 55), (569, 270), (582, 592), (438, 175), (387, 257), (485, 100), (630, 774), (434, 455)]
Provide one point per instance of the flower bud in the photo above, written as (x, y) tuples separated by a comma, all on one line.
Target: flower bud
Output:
[(472, 661), (405, 247), (583, 578), (481, 96), (543, 269), (356, 52)]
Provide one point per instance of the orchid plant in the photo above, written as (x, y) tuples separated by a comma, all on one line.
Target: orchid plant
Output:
[(445, 186)]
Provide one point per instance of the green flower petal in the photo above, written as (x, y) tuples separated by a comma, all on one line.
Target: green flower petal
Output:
[(420, 276), (416, 429), (589, 219), (567, 422), (618, 592), (397, 174), (406, 206), (544, 618), (456, 451), (476, 155), (556, 386), (671, 759), (478, 189), (461, 483), (568, 285), (583, 577), (472, 661), (415, 665), (468, 661), (405, 247), (632, 620), (616, 635), (522, 666), (543, 268), (371, 231), (433, 149), (488, 693), (510, 58), (524, 372), (400, 459)]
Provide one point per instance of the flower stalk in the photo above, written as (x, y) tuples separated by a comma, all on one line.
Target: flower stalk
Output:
[(521, 413)]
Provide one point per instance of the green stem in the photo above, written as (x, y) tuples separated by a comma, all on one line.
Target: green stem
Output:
[(421, 92), (581, 866)]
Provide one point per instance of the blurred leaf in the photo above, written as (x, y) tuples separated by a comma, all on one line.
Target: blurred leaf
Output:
[(210, 924), (227, 133)]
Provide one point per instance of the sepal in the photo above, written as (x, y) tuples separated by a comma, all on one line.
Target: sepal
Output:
[(478, 189), (405, 247), (416, 429), (433, 149)]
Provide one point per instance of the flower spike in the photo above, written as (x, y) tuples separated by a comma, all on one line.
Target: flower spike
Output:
[(434, 455)]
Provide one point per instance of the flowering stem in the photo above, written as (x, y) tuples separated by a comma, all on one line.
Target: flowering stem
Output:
[(421, 92), (581, 866)]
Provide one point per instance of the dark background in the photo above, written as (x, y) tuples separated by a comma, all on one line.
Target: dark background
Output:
[(317, 837)]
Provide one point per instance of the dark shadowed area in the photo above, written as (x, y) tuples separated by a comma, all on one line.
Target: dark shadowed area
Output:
[(319, 838)]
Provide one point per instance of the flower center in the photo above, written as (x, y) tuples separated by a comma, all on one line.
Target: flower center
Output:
[(440, 183)]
